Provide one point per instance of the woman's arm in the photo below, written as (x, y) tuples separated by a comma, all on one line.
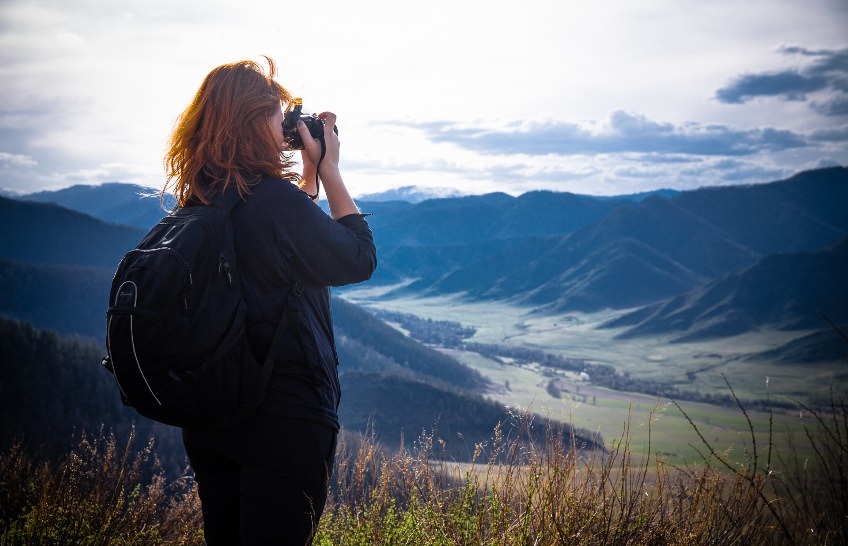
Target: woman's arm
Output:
[(338, 198), (325, 251)]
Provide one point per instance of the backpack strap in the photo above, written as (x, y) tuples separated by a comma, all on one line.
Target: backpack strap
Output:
[(291, 309), (290, 315)]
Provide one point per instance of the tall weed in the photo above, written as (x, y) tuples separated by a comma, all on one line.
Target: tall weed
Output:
[(520, 491), (531, 486), (100, 493)]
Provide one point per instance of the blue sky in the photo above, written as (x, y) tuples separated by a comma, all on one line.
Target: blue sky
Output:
[(594, 97)]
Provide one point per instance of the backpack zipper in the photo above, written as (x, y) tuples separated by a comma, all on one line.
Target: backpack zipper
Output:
[(224, 266), (182, 261), (135, 354)]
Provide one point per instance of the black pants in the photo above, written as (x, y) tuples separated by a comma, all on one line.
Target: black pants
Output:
[(264, 482)]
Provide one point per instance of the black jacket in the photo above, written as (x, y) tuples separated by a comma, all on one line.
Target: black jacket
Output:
[(280, 234)]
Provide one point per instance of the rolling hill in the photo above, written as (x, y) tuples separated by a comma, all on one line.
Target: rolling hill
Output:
[(52, 389), (639, 253), (113, 202), (557, 252), (72, 300), (68, 299), (482, 218), (786, 291), (461, 420), (633, 256), (62, 293), (49, 234), (702, 264)]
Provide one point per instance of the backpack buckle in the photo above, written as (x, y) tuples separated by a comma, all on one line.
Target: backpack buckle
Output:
[(106, 362)]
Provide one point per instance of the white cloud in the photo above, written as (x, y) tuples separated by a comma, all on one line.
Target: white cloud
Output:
[(90, 90), (17, 160)]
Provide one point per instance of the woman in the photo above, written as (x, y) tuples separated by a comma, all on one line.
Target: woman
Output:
[(266, 481)]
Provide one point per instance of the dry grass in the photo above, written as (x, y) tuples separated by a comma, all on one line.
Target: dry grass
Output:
[(520, 490), (101, 493), (525, 492)]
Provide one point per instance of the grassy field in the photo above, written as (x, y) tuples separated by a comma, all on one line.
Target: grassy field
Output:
[(700, 367), (606, 411)]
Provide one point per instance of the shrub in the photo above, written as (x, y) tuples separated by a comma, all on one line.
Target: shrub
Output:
[(100, 493), (517, 490)]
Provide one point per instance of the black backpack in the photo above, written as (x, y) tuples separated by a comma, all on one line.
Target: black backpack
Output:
[(175, 331)]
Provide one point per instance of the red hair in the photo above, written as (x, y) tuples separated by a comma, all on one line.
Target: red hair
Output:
[(224, 137)]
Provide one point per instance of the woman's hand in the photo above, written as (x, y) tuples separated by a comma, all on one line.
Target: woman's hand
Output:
[(311, 153), (338, 197)]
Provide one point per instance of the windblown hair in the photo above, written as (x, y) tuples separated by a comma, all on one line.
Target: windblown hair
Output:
[(224, 137)]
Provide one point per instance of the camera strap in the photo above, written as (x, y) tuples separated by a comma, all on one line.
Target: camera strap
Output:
[(317, 180)]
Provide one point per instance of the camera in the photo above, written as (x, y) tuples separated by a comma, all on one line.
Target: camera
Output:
[(313, 123)]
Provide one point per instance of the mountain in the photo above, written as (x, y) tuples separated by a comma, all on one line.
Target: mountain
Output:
[(410, 194), (659, 248), (114, 202), (484, 218), (786, 291), (432, 239), (554, 251), (820, 346), (417, 194), (399, 263), (632, 256), (56, 267), (427, 239), (52, 389), (4, 192), (43, 375), (364, 340), (641, 196), (49, 234), (72, 300), (805, 212), (63, 298)]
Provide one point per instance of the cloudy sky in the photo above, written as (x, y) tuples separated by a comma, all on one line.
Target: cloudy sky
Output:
[(602, 97)]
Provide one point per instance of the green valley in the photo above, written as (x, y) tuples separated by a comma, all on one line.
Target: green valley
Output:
[(696, 369)]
